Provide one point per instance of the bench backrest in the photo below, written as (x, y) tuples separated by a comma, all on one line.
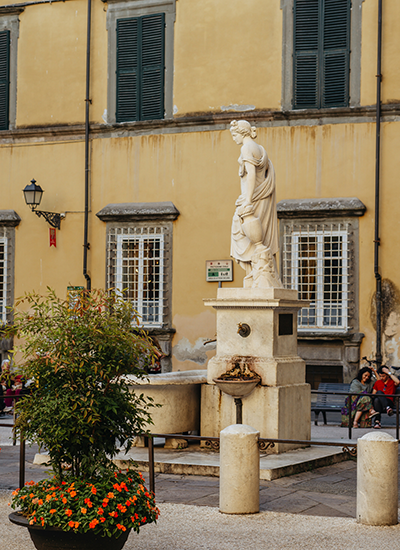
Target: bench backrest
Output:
[(332, 399)]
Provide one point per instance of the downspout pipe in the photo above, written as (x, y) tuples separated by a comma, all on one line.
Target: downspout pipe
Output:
[(378, 278), (86, 245)]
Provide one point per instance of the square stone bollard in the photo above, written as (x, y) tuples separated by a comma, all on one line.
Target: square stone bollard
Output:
[(239, 474), (377, 490)]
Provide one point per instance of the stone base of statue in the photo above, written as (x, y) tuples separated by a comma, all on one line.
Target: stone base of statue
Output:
[(257, 329)]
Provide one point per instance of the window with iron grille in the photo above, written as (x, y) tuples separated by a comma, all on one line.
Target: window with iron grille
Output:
[(316, 262), (138, 267), (3, 279)]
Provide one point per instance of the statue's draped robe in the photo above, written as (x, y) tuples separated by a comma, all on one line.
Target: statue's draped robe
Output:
[(264, 203)]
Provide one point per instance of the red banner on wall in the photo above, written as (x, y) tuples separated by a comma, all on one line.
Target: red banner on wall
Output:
[(52, 234)]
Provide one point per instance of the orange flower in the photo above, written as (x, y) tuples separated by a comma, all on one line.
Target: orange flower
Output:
[(42, 521), (128, 503), (64, 500), (100, 511), (105, 502), (73, 493), (94, 490), (83, 510), (102, 519), (113, 514), (110, 495), (71, 523), (121, 508), (40, 502), (53, 511), (117, 487), (68, 512), (93, 523), (122, 527)]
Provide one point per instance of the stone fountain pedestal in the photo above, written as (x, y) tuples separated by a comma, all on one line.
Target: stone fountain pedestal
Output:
[(258, 328)]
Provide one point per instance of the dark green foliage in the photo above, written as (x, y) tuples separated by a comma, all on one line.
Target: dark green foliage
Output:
[(81, 408)]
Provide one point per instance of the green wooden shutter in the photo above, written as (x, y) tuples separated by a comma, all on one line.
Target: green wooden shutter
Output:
[(152, 92), (321, 53), (4, 78), (305, 58), (140, 68), (336, 53), (127, 103)]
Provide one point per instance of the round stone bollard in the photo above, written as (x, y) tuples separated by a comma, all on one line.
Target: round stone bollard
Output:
[(377, 492), (239, 471)]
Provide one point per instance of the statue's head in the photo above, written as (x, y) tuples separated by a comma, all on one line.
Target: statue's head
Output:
[(243, 128)]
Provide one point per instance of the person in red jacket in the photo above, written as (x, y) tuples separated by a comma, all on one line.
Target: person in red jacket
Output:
[(385, 385)]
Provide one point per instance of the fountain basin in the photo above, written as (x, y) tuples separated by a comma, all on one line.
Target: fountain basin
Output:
[(236, 388)]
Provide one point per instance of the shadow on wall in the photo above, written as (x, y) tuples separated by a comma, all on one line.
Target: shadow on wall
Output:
[(390, 322)]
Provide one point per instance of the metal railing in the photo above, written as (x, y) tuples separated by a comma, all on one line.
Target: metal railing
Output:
[(213, 442), (395, 398)]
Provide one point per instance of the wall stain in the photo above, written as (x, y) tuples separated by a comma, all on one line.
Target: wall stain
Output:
[(390, 322), (197, 352)]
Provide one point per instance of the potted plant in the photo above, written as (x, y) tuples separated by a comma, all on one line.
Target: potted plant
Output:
[(81, 410)]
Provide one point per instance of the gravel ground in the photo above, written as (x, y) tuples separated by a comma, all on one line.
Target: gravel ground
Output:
[(183, 527)]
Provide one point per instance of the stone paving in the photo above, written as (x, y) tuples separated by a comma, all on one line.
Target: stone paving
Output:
[(328, 491)]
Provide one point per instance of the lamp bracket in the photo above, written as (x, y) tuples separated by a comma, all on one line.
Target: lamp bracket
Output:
[(51, 218)]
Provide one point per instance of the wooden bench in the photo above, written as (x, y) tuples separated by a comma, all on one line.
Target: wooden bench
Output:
[(327, 403)]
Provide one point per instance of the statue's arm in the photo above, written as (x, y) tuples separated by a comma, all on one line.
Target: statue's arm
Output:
[(250, 181)]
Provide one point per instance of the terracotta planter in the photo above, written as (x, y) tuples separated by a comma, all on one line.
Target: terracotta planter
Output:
[(53, 538)]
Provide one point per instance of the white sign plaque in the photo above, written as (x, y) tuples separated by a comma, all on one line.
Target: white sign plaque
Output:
[(219, 270)]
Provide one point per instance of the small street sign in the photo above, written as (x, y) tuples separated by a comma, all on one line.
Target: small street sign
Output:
[(219, 270)]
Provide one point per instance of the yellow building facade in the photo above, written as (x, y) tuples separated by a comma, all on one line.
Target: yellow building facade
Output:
[(165, 79)]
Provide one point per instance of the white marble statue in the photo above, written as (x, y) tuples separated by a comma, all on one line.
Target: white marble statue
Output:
[(254, 241)]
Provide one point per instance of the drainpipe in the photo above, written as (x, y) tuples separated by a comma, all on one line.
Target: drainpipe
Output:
[(86, 245), (378, 278)]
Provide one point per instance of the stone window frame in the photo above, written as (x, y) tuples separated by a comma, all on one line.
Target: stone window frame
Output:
[(130, 218), (342, 212), (9, 21), (287, 7), (119, 9), (9, 219)]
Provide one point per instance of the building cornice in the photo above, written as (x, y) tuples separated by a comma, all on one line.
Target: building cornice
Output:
[(320, 208), (138, 212), (197, 122), (9, 218)]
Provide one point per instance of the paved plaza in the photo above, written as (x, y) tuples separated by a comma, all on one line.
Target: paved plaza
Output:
[(313, 509)]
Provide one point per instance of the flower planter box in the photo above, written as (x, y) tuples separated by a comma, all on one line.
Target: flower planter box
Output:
[(53, 538)]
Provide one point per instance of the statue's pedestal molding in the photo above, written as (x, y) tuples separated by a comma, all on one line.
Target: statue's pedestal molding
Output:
[(280, 407)]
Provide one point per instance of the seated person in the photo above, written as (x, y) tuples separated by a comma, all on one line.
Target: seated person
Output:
[(361, 405), (385, 385), (11, 385), (2, 404)]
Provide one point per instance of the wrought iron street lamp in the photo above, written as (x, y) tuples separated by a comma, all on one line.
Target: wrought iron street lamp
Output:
[(33, 195)]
